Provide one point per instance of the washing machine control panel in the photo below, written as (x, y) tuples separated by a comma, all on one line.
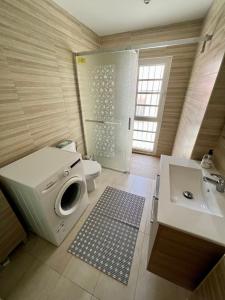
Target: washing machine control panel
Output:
[(66, 172)]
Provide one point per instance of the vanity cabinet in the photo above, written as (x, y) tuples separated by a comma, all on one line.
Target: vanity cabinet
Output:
[(180, 257), (11, 231)]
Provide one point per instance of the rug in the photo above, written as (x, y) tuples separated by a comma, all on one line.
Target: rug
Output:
[(108, 237)]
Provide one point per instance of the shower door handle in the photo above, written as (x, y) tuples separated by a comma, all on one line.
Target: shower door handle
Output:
[(129, 123), (112, 123), (103, 122), (94, 121)]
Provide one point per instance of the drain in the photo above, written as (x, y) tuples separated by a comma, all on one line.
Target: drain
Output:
[(188, 195)]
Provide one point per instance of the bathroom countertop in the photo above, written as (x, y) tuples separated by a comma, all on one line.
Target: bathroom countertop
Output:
[(207, 226)]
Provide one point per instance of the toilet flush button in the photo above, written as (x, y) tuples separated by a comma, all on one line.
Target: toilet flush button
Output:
[(66, 173)]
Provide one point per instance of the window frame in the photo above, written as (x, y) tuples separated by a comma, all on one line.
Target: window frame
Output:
[(167, 61)]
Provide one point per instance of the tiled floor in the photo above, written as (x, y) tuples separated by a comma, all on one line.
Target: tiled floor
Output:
[(40, 271), (144, 165)]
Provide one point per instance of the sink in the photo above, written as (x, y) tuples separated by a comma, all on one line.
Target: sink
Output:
[(188, 189)]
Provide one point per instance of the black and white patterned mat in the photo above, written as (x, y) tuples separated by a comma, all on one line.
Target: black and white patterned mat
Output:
[(108, 237)]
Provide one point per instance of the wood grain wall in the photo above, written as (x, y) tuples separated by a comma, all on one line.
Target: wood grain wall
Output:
[(183, 57), (157, 34), (38, 100), (214, 119), (203, 78), (219, 154)]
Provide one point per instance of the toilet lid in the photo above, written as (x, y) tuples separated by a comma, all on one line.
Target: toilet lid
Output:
[(91, 167)]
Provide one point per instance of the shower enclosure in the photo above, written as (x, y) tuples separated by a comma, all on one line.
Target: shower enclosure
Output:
[(107, 84)]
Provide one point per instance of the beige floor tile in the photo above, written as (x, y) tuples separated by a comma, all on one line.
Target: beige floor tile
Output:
[(183, 293), (68, 290), (58, 259), (144, 165), (122, 180), (36, 284), (110, 289), (140, 185), (55, 257), (147, 226), (144, 255), (82, 274), (151, 286), (12, 273)]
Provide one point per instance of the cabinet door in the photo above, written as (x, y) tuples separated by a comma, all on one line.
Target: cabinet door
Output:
[(182, 258)]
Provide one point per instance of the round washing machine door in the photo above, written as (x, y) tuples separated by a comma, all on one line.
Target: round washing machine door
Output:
[(69, 196)]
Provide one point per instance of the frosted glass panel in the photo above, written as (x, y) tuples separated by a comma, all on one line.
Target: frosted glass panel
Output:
[(107, 84)]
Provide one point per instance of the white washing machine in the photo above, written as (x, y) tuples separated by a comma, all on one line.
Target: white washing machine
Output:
[(49, 188)]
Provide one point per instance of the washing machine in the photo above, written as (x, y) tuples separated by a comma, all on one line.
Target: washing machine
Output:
[(49, 189)]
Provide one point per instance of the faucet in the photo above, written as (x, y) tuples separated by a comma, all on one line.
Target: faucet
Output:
[(219, 183)]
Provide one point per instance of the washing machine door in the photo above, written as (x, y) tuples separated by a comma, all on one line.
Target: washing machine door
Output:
[(70, 196)]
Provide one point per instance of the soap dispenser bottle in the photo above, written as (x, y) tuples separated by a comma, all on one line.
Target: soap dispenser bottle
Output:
[(207, 162)]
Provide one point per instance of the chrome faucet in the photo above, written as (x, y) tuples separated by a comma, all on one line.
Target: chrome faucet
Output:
[(219, 183)]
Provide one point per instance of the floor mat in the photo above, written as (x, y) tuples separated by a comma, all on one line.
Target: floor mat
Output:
[(108, 237)]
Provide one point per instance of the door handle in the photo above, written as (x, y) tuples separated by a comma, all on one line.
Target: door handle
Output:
[(129, 123), (154, 209), (103, 122)]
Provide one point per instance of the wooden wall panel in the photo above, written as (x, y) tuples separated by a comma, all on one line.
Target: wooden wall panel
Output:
[(219, 154), (157, 34), (183, 57), (38, 100), (214, 119), (182, 61), (203, 78)]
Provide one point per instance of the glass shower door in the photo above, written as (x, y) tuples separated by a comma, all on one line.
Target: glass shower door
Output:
[(107, 84)]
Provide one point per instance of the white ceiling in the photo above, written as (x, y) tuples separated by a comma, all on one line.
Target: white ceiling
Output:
[(113, 16)]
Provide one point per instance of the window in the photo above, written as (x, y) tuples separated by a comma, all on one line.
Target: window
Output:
[(151, 88)]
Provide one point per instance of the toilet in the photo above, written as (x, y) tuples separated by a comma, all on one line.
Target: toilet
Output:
[(92, 169)]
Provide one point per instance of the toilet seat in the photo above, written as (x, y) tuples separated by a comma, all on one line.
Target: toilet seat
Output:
[(91, 168)]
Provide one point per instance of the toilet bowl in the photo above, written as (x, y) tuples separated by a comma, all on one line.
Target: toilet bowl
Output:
[(92, 169)]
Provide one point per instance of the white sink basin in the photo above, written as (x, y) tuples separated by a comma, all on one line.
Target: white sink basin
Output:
[(204, 196)]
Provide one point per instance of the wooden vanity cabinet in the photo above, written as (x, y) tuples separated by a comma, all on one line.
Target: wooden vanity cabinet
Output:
[(11, 231), (180, 257)]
